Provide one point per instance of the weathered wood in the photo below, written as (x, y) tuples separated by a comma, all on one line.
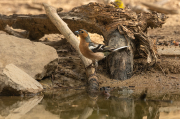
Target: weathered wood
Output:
[(72, 39), (121, 62), (55, 43), (17, 32), (160, 9), (39, 25), (169, 51), (93, 17)]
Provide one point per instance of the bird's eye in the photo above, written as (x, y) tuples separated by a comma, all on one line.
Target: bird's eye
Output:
[(82, 31)]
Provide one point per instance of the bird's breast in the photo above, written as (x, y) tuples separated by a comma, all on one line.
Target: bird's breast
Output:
[(84, 48)]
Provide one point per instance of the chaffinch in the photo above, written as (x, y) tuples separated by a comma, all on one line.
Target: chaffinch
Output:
[(91, 50)]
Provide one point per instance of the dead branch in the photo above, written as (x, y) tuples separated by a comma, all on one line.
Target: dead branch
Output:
[(55, 43), (160, 9), (17, 32), (34, 6), (71, 38)]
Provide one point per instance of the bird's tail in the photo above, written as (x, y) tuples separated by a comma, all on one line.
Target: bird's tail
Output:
[(120, 48)]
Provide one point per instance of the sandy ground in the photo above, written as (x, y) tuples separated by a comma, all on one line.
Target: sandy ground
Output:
[(153, 79)]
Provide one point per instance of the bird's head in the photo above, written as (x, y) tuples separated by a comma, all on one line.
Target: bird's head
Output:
[(83, 35)]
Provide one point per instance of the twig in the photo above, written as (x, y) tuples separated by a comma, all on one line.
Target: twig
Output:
[(34, 6), (17, 32)]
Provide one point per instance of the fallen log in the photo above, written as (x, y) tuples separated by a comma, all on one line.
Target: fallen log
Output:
[(88, 17), (39, 25)]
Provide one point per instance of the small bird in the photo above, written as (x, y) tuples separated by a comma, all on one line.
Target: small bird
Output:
[(119, 3), (91, 50)]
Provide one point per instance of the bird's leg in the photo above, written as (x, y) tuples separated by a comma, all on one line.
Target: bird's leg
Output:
[(95, 62), (91, 65)]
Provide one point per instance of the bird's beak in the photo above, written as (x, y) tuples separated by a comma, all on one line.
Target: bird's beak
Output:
[(76, 33)]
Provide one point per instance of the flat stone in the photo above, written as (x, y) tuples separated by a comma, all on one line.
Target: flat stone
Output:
[(14, 81)]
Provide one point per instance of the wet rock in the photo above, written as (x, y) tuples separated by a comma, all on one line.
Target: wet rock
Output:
[(14, 81), (30, 56)]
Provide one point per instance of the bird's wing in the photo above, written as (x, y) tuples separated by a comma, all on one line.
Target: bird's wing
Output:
[(102, 48), (99, 47)]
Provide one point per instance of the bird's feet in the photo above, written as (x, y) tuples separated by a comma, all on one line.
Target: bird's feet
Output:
[(91, 65), (96, 64)]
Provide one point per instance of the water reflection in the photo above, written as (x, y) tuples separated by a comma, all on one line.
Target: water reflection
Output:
[(15, 107), (83, 106)]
